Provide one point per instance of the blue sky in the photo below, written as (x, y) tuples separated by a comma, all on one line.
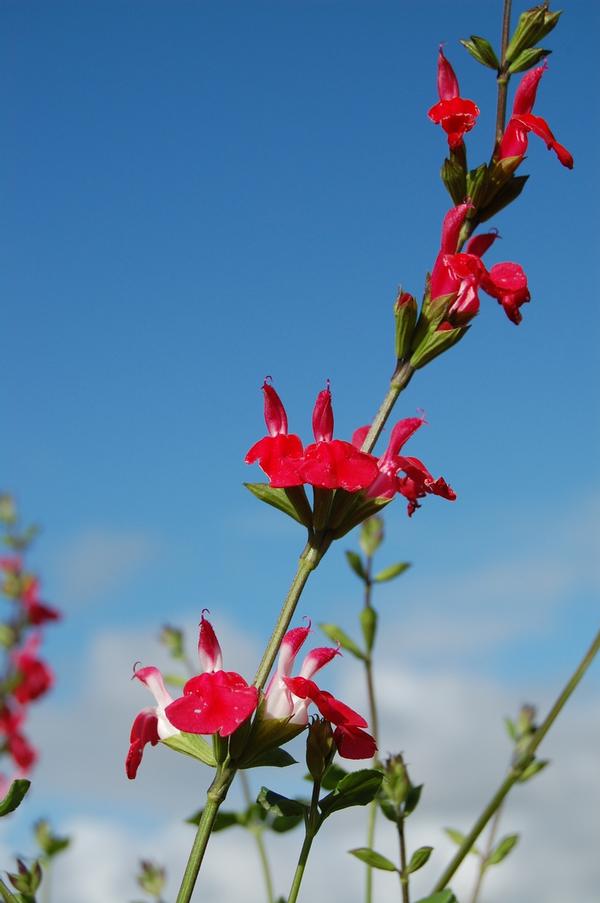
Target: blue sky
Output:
[(197, 194)]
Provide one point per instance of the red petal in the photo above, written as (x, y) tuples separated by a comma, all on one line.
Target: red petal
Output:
[(527, 90), (322, 418), (275, 416), (447, 83), (514, 141), (359, 436), (451, 227), (280, 458), (337, 711), (143, 731), (214, 702), (481, 243), (338, 465), (209, 650), (353, 743)]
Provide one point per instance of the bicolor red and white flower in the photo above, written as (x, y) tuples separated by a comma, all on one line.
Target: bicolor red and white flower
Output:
[(515, 139), (454, 113), (290, 697), (214, 702)]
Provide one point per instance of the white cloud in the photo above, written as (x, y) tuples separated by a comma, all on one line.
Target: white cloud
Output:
[(97, 560)]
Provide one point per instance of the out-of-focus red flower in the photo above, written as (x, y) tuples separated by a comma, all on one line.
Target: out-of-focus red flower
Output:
[(18, 746), (522, 121), (454, 113), (38, 612), (35, 677)]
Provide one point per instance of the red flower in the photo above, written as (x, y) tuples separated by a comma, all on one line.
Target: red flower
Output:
[(37, 611), (516, 135), (23, 753), (332, 463), (326, 464), (417, 481), (290, 697), (215, 702), (463, 274), (35, 677), (279, 454), (455, 114)]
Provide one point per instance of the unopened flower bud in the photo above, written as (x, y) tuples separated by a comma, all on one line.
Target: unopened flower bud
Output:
[(526, 721), (151, 878), (405, 313), (172, 638), (320, 748), (396, 780)]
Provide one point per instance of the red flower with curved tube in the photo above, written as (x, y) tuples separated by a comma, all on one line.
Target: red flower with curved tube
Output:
[(417, 481), (280, 453), (151, 725), (35, 677), (217, 701), (522, 121), (463, 274), (454, 113), (38, 612)]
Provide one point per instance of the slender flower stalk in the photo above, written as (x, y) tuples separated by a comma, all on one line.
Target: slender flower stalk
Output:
[(374, 726), (258, 833), (503, 75), (403, 863), (518, 769), (484, 859), (312, 826)]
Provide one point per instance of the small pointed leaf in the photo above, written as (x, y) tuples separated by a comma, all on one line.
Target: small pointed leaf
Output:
[(356, 789), (278, 804), (392, 572), (338, 635), (505, 846), (278, 498), (443, 896), (14, 797), (481, 50), (536, 766), (273, 758), (355, 562), (191, 745), (419, 858), (528, 58), (375, 860)]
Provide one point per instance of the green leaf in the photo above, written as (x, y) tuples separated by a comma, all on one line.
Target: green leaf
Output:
[(454, 178), (191, 745), (277, 498), (389, 810), (265, 735), (223, 820), (534, 768), (443, 896), (355, 562), (482, 51), (375, 860), (505, 846), (14, 797), (505, 196), (283, 823), (419, 858), (356, 789), (332, 777), (368, 625), (273, 758), (528, 58), (457, 836), (280, 805), (511, 729), (6, 895), (371, 535), (336, 634), (412, 798), (434, 344), (392, 572)]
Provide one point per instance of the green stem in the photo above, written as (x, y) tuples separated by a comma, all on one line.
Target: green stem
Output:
[(214, 797), (374, 727), (258, 833), (313, 824), (483, 862), (309, 559), (403, 871), (518, 769), (503, 74), (400, 380)]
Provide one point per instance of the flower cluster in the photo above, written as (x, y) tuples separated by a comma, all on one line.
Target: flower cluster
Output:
[(217, 702), (333, 464), (27, 677)]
